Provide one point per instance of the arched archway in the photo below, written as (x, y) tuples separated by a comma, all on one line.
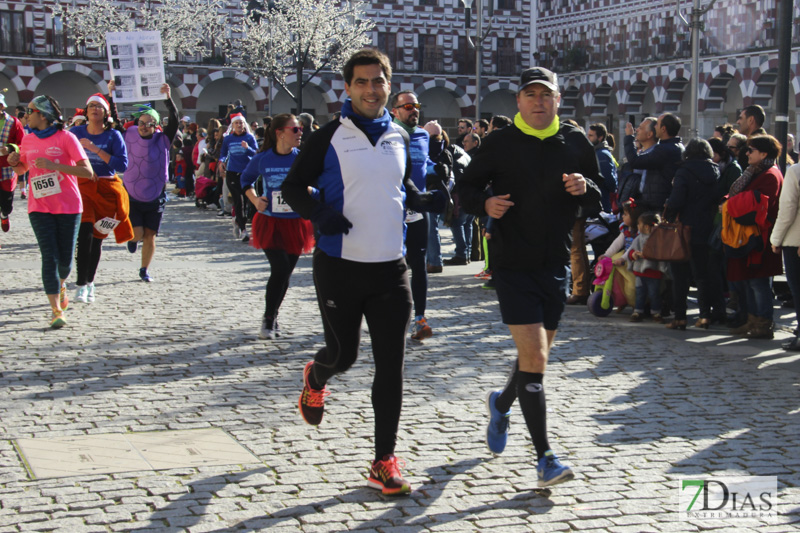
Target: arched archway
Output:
[(570, 98), (500, 102), (9, 91), (71, 89), (722, 98), (764, 92), (439, 104), (636, 96), (314, 102), (216, 95)]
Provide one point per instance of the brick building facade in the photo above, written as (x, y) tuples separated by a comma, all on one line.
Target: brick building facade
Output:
[(617, 59)]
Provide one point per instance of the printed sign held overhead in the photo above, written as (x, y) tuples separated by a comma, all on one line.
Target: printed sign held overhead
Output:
[(137, 65)]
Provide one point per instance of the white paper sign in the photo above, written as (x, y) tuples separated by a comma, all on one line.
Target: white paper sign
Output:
[(136, 62)]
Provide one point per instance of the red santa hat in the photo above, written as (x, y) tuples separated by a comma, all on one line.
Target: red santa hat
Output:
[(100, 99), (238, 116)]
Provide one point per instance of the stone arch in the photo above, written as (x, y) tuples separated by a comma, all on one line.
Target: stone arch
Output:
[(69, 87), (675, 91), (14, 83), (56, 68), (180, 89), (765, 80), (440, 104), (9, 91), (600, 97), (315, 101), (213, 95), (500, 102), (570, 98), (256, 92), (635, 96), (458, 93)]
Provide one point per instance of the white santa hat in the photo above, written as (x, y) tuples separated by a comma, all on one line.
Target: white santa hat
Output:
[(100, 99)]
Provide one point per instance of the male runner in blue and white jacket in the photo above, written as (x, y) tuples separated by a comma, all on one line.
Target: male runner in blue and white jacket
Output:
[(361, 166)]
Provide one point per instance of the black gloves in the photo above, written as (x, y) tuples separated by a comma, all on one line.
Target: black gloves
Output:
[(329, 221)]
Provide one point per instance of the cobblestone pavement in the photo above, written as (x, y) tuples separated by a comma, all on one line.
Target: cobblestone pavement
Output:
[(634, 408)]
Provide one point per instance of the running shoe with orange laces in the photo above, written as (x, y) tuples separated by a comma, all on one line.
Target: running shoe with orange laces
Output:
[(57, 320), (62, 297), (385, 475), (421, 330), (312, 401)]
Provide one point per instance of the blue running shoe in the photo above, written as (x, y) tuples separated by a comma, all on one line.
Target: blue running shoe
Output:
[(132, 246), (497, 430), (551, 471)]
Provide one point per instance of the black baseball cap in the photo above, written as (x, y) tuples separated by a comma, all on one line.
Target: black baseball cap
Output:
[(538, 75)]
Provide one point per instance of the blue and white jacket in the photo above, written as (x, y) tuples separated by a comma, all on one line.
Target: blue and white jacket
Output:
[(368, 183)]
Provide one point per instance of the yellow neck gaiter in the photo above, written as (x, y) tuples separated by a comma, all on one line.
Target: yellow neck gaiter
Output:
[(549, 131)]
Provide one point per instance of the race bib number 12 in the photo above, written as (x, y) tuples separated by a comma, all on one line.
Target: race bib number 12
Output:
[(279, 205)]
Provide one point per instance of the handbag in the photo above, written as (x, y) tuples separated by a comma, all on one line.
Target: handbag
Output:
[(669, 241)]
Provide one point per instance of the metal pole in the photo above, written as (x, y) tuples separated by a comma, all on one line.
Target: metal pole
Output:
[(784, 13), (478, 59), (695, 25)]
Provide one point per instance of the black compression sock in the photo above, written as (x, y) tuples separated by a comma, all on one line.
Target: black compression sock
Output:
[(506, 399), (534, 408)]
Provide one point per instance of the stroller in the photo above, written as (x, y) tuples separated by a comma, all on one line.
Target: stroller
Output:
[(205, 192)]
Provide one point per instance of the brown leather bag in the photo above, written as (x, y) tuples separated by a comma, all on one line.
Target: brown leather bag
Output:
[(669, 241)]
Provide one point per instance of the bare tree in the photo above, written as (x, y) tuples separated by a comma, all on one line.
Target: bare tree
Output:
[(186, 26), (300, 37)]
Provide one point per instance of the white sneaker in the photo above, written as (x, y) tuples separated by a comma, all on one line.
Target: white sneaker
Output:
[(90, 293), (265, 332), (245, 236), (82, 294)]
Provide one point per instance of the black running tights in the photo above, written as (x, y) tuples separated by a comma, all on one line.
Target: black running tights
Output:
[(88, 253), (379, 292), (281, 265)]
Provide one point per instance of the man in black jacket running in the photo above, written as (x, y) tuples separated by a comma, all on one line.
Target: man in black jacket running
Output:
[(539, 172)]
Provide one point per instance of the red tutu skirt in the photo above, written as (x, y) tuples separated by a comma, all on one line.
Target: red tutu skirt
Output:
[(293, 235)]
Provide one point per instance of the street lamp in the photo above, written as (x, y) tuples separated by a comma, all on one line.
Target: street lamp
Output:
[(696, 25), (480, 36)]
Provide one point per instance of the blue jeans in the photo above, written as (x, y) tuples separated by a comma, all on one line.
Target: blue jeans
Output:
[(462, 234), (791, 264), (648, 289), (56, 235), (434, 254), (759, 297)]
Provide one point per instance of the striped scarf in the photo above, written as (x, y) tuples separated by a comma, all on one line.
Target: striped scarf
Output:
[(7, 173), (749, 174)]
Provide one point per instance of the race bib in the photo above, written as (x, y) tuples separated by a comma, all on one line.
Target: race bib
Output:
[(106, 225), (45, 185), (279, 205), (413, 216)]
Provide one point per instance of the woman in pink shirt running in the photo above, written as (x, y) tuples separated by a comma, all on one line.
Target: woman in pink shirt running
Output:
[(55, 159)]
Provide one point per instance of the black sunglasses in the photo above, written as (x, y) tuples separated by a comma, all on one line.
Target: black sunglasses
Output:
[(294, 129)]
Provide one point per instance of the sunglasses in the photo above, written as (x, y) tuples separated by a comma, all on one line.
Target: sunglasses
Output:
[(294, 129), (147, 124), (732, 147), (409, 107), (31, 111)]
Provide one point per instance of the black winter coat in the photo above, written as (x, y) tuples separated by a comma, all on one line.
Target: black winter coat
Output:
[(694, 197), (660, 163), (536, 232)]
